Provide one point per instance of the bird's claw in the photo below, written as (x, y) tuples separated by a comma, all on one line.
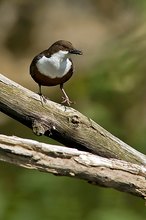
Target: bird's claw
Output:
[(66, 100), (43, 98)]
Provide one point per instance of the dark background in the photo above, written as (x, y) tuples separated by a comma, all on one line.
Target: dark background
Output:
[(109, 86)]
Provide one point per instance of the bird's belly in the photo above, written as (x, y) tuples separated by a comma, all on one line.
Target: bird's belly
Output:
[(44, 80)]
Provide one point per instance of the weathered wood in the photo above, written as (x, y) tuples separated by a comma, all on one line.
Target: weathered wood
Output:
[(62, 123), (63, 161)]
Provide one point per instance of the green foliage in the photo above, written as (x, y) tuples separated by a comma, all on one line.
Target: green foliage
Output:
[(26, 194)]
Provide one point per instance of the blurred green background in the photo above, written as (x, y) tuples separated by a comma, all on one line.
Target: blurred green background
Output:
[(109, 86)]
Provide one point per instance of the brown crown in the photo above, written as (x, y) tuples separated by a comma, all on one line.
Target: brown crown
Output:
[(63, 45)]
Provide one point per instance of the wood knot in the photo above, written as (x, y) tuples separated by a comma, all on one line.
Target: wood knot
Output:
[(75, 119), (38, 128)]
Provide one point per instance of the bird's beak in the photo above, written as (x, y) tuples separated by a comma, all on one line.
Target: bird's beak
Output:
[(74, 51)]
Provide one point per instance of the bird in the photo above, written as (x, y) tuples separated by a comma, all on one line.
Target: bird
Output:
[(54, 66)]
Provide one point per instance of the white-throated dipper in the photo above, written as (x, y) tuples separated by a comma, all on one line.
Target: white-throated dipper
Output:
[(54, 66)]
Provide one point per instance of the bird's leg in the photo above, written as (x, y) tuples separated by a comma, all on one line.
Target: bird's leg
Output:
[(43, 99), (65, 97), (40, 91)]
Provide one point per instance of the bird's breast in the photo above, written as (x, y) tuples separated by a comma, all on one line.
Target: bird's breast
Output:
[(53, 67)]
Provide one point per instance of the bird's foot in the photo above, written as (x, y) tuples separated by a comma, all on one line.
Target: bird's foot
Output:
[(66, 100), (42, 98)]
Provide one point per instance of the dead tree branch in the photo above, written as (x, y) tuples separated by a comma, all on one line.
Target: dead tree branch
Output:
[(124, 171), (62, 123), (63, 161)]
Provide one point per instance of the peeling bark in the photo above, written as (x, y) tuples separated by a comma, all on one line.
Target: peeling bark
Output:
[(62, 123), (92, 153), (63, 161)]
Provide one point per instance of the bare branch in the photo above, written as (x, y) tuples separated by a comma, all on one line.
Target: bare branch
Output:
[(62, 123), (74, 130), (63, 161)]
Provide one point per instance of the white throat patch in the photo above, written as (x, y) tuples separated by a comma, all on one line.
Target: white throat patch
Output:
[(55, 66)]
